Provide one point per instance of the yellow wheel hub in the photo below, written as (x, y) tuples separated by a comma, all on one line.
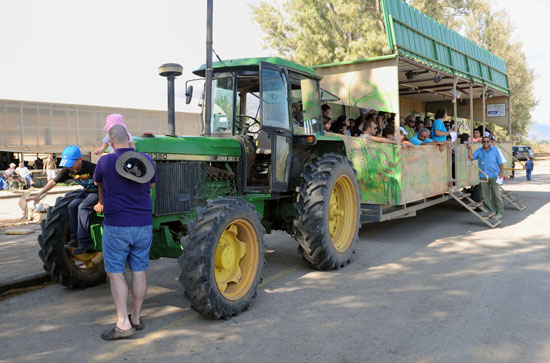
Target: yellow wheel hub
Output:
[(236, 260), (89, 260), (342, 213)]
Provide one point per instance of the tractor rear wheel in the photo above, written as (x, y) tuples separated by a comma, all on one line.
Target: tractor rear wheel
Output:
[(223, 258), (328, 211), (76, 272)]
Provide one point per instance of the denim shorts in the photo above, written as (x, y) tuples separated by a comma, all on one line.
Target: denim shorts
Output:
[(121, 244)]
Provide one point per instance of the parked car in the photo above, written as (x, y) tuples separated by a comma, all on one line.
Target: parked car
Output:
[(521, 152)]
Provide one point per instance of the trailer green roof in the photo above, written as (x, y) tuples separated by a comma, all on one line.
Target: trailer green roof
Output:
[(244, 62), (416, 36)]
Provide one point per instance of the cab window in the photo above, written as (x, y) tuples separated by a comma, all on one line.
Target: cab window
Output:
[(274, 99)]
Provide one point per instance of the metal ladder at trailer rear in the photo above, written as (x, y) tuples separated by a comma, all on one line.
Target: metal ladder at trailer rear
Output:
[(477, 208), (511, 198), (471, 205)]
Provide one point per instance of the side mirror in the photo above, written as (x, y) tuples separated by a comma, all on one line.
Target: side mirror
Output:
[(188, 95)]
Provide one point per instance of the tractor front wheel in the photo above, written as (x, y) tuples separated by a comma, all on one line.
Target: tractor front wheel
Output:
[(328, 212), (223, 258)]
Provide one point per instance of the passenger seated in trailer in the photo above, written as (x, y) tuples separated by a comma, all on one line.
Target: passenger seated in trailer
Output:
[(388, 133), (357, 129), (326, 113), (419, 126), (465, 138), (370, 130), (341, 126), (382, 119), (390, 119), (409, 126), (428, 123), (422, 138), (477, 136)]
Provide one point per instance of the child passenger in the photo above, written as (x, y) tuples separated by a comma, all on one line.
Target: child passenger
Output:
[(112, 120)]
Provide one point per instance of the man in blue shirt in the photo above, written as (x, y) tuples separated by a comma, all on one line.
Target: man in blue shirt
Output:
[(421, 138), (124, 179), (491, 162), (439, 131)]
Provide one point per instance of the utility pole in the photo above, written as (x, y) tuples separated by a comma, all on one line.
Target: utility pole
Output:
[(208, 85)]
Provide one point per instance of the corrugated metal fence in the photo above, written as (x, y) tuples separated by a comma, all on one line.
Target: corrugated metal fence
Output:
[(49, 127)]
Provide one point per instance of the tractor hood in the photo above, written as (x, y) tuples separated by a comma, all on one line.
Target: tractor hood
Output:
[(190, 148)]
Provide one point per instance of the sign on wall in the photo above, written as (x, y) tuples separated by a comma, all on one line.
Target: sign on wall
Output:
[(496, 110)]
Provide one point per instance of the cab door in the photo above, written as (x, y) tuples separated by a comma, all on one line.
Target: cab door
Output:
[(277, 122)]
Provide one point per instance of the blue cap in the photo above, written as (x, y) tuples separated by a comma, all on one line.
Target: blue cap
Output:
[(70, 155)]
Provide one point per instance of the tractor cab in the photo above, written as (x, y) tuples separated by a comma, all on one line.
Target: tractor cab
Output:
[(266, 103)]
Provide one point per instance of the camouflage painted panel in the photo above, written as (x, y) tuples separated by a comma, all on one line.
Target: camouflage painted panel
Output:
[(392, 175), (378, 169), (468, 173), (425, 172), (506, 149)]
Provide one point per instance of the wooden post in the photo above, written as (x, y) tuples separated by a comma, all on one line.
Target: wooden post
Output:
[(456, 141), (471, 110), (397, 131), (484, 109), (510, 121)]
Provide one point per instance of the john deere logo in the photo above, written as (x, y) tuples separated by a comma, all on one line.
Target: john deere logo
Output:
[(186, 157)]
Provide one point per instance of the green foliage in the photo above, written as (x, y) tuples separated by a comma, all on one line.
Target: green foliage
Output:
[(493, 30), (326, 31), (318, 31), (447, 12)]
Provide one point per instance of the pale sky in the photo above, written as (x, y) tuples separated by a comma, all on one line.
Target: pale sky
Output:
[(107, 52)]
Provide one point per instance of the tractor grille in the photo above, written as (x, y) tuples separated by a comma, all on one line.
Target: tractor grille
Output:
[(175, 187)]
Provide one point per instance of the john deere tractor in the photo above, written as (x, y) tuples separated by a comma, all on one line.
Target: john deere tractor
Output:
[(266, 165)]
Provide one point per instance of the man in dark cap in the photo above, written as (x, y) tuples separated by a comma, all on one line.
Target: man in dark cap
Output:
[(124, 179)]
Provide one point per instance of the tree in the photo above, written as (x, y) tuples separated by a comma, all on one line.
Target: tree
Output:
[(318, 31), (492, 30), (448, 12)]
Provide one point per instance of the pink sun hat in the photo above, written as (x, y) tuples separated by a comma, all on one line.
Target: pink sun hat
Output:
[(114, 119)]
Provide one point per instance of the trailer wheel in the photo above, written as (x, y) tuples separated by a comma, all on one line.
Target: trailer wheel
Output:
[(328, 210), (76, 272), (223, 258)]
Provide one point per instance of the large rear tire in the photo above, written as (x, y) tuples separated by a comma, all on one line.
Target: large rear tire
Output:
[(328, 212), (78, 272), (223, 258)]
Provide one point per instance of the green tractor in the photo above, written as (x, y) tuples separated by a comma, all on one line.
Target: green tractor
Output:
[(266, 165)]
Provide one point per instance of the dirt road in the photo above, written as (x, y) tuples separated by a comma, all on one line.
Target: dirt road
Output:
[(439, 287)]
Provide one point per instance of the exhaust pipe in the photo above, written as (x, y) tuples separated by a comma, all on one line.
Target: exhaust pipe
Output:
[(171, 71)]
